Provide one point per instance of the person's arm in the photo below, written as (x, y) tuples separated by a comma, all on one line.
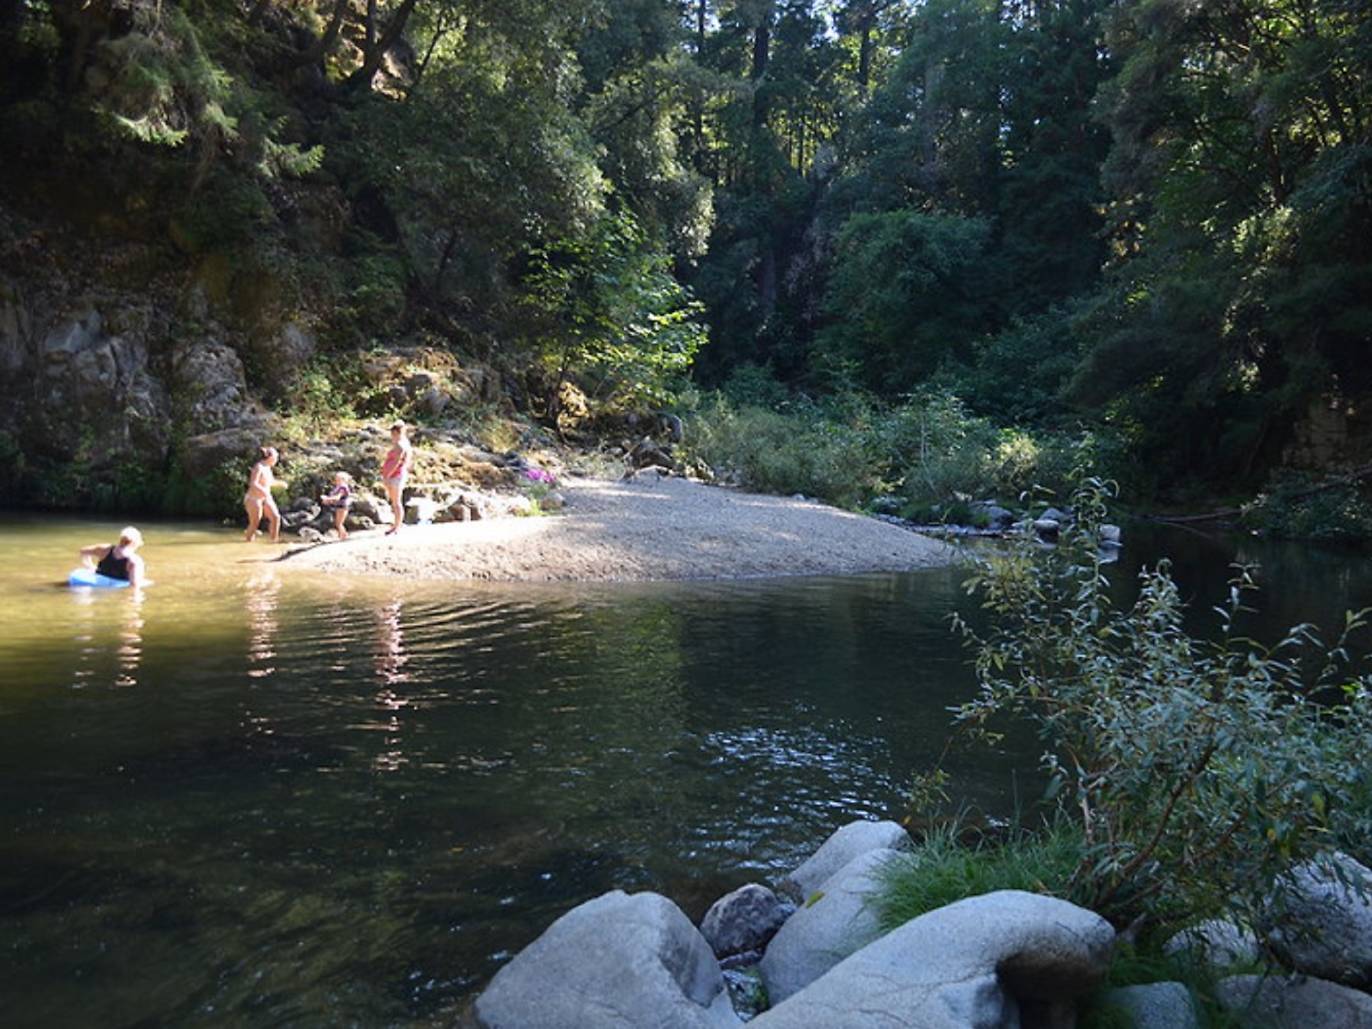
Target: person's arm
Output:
[(91, 555), (409, 458), (135, 571)]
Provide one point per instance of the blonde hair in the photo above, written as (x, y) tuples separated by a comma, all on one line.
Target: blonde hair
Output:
[(129, 536), (398, 426)]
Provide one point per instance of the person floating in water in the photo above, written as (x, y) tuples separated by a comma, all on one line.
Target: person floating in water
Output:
[(395, 468), (258, 500), (118, 560), (339, 499)]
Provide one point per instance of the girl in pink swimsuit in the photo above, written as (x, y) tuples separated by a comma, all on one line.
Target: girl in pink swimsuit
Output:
[(395, 468)]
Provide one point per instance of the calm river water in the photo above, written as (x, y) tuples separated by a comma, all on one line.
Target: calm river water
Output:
[(255, 798)]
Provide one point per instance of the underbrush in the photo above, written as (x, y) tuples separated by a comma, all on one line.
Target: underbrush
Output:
[(952, 863), (1190, 774), (929, 452), (945, 868), (1299, 507)]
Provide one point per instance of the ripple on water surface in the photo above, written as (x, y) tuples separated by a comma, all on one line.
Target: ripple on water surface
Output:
[(253, 797)]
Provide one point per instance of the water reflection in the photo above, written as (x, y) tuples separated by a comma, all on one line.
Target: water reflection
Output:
[(129, 652), (107, 625), (263, 596), (391, 658), (439, 772)]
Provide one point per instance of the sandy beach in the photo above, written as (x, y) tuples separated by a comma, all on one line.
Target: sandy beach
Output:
[(638, 530)]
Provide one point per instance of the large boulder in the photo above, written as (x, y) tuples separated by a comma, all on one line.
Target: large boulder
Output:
[(620, 961), (97, 401), (210, 452), (744, 920), (845, 844), (1322, 920), (1294, 1002), (838, 919), (1156, 1006), (208, 384), (1217, 942), (983, 963)]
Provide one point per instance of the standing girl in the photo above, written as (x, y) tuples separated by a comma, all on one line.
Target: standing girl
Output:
[(258, 500), (395, 468)]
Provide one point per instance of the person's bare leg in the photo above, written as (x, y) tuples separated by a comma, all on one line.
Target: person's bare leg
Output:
[(254, 508), (397, 514), (274, 521), (339, 516)]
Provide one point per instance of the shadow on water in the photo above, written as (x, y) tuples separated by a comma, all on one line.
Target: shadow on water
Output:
[(256, 798)]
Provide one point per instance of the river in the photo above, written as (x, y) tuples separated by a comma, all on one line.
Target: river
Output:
[(252, 797)]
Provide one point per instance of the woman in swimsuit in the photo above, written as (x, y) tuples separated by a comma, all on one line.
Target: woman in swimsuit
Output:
[(258, 500), (395, 468), (119, 560)]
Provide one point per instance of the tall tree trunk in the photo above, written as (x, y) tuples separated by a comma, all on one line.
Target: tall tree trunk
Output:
[(371, 24), (762, 44), (698, 104), (865, 54), (374, 54), (315, 53)]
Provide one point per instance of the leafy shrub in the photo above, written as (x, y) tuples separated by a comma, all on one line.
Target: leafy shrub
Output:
[(751, 385), (1199, 771), (779, 452), (944, 869), (944, 453), (1290, 510), (216, 494)]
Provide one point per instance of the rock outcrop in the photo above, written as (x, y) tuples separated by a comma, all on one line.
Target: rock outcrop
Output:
[(1156, 1006), (1323, 920), (744, 920), (851, 840), (620, 960), (1293, 1002), (997, 960)]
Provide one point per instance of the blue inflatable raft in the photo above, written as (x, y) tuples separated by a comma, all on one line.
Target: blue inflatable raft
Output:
[(90, 579)]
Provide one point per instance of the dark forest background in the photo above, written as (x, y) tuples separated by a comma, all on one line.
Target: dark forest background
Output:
[(1136, 233)]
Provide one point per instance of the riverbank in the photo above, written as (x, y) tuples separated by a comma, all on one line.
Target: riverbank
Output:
[(643, 529)]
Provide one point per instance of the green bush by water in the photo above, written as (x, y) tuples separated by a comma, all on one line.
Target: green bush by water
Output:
[(944, 869), (929, 450), (1198, 769)]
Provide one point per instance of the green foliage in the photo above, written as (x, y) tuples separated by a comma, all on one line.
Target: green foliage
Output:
[(942, 453), (750, 385), (802, 452), (944, 868), (908, 290), (378, 291), (216, 494), (1199, 770), (611, 313), (1298, 507)]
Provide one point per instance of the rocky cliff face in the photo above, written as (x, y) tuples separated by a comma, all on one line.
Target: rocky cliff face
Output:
[(157, 394)]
